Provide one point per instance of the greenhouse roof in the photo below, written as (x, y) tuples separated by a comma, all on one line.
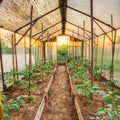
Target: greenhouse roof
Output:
[(60, 16)]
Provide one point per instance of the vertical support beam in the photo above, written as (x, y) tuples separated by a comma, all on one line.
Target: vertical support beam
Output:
[(38, 54), (96, 52), (25, 50), (83, 43), (42, 45), (1, 63), (78, 42), (15, 51), (92, 62), (30, 54), (103, 53), (73, 45), (113, 34), (89, 51), (85, 50)]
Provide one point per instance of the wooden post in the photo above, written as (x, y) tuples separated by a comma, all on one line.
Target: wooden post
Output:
[(89, 51), (83, 43), (30, 56), (96, 52), (92, 64), (103, 53), (1, 63), (73, 45), (25, 50), (113, 51), (15, 51), (42, 46)]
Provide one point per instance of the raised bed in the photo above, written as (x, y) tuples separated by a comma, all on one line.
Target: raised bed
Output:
[(45, 97), (80, 117), (88, 111), (29, 110)]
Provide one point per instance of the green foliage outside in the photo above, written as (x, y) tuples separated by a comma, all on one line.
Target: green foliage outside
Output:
[(62, 53)]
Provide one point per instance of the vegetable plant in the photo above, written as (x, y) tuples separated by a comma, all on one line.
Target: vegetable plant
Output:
[(112, 107), (86, 90), (11, 104)]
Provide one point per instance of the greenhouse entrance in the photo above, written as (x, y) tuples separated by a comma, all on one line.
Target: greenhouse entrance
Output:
[(62, 48), (60, 55)]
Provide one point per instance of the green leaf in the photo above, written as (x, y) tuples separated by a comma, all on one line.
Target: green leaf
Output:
[(101, 111), (21, 101), (111, 115), (3, 98), (7, 116), (16, 107)]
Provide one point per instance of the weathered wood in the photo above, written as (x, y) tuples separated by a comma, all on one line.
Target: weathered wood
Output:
[(40, 109), (38, 18), (80, 117), (46, 29), (102, 30), (92, 44), (93, 17), (45, 97), (1, 64), (71, 86)]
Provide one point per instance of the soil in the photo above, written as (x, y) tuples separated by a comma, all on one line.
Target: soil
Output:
[(60, 105), (28, 111), (89, 110)]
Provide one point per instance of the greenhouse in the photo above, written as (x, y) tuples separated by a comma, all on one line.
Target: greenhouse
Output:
[(60, 60)]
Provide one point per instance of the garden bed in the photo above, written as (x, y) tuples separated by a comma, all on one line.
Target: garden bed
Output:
[(89, 110), (29, 109)]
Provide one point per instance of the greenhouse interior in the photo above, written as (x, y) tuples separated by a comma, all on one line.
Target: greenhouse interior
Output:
[(60, 60)]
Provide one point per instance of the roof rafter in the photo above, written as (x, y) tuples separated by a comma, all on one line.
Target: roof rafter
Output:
[(77, 34), (35, 20), (90, 16), (46, 29)]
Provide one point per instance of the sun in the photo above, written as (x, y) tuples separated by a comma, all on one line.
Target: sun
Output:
[(62, 40)]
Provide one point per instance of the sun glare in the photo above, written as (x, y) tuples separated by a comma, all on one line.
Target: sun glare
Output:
[(62, 40)]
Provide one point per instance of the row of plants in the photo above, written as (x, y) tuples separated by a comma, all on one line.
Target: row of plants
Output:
[(110, 109), (25, 80)]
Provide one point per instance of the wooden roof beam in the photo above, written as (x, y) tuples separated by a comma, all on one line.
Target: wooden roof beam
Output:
[(93, 17), (35, 20), (63, 11), (47, 28)]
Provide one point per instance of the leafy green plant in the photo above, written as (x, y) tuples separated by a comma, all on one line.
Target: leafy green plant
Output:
[(86, 90), (112, 101), (10, 77), (11, 104)]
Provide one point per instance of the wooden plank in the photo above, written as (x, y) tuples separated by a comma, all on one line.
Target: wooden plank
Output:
[(45, 96), (40, 109), (80, 117), (72, 89)]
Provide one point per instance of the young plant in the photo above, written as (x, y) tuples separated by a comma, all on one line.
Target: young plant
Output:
[(11, 104), (87, 90), (112, 108)]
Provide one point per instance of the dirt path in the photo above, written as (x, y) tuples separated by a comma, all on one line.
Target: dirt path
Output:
[(60, 105)]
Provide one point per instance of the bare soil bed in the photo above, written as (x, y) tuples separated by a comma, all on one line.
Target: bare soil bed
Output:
[(60, 105), (28, 111)]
